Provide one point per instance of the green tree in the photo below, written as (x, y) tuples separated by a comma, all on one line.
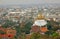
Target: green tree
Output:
[(57, 37), (8, 23), (23, 36), (50, 32), (55, 34), (2, 32), (35, 36), (18, 30), (28, 27), (49, 26)]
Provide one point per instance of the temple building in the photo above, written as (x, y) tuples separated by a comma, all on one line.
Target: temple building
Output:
[(39, 24), (7, 32)]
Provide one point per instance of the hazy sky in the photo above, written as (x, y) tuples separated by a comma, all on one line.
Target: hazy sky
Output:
[(5, 2)]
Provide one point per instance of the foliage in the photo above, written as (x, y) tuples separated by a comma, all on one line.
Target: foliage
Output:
[(49, 33), (8, 23), (52, 33), (49, 26), (18, 30), (23, 36), (57, 37), (28, 27), (2, 32), (35, 36), (55, 34)]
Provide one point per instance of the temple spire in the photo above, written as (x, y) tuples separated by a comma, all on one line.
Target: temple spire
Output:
[(40, 16)]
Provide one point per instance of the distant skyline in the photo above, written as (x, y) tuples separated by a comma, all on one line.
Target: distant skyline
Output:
[(13, 2)]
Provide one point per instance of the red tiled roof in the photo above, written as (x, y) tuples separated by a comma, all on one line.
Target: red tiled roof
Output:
[(43, 29), (10, 35)]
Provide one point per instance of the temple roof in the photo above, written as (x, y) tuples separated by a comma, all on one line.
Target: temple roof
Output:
[(40, 23)]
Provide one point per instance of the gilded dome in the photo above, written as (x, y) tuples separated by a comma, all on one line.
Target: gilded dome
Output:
[(40, 21), (40, 16)]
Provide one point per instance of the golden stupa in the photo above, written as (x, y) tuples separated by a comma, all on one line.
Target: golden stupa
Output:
[(40, 20), (40, 16)]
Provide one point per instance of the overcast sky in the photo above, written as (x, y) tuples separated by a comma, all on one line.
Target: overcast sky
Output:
[(5, 2)]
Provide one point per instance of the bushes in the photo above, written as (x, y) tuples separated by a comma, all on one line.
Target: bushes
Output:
[(35, 36), (28, 27), (2, 32)]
